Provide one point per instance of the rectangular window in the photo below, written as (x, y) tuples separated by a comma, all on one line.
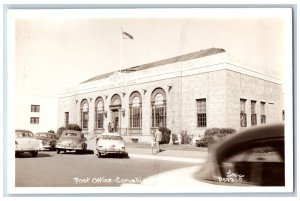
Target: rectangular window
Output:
[(34, 120), (263, 119), (85, 120), (159, 115), (201, 112), (135, 117), (35, 108), (243, 115), (66, 119), (253, 113), (100, 119)]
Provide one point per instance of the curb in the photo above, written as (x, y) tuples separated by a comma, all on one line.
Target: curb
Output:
[(167, 158)]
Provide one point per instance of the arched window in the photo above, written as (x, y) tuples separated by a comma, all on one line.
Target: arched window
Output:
[(135, 113), (159, 109), (84, 111), (99, 113)]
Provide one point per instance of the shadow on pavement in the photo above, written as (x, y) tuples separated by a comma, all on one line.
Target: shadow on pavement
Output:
[(154, 151), (86, 152), (125, 156), (28, 155)]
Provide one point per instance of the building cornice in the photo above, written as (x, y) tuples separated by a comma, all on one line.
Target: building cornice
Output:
[(216, 62)]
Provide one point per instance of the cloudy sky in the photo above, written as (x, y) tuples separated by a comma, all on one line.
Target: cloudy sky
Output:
[(55, 53)]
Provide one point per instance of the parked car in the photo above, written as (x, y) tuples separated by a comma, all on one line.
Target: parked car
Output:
[(25, 142), (110, 143), (252, 157), (47, 140), (71, 140), (256, 154)]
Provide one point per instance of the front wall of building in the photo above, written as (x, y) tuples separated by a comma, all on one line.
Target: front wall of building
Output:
[(221, 85), (170, 86)]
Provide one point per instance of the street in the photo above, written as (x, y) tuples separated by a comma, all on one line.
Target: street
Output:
[(50, 169)]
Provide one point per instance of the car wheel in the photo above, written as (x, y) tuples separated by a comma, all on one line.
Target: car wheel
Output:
[(17, 154), (34, 153), (58, 151), (52, 148)]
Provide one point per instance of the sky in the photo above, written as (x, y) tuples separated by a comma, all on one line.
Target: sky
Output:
[(53, 54)]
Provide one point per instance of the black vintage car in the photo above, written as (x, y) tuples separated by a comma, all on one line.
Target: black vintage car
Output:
[(47, 140), (71, 141)]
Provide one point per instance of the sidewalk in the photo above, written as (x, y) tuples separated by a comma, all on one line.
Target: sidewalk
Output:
[(170, 155), (146, 152)]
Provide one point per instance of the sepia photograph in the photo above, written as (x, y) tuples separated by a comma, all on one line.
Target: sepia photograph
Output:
[(191, 100)]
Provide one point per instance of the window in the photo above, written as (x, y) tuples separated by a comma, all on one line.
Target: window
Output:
[(84, 114), (159, 109), (243, 115), (253, 113), (66, 119), (85, 120), (262, 113), (135, 110), (34, 120), (100, 118), (201, 112), (283, 115), (35, 108), (99, 112)]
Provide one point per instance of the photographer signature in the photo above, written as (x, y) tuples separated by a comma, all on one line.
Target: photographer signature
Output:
[(231, 177)]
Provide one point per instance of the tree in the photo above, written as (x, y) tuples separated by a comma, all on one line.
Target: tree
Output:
[(73, 127), (166, 133)]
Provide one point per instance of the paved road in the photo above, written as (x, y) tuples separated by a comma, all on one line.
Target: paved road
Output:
[(65, 170)]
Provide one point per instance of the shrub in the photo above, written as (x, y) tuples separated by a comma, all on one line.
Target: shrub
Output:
[(202, 142), (185, 139), (166, 133), (60, 130), (174, 138), (227, 131), (51, 131), (74, 127), (211, 134)]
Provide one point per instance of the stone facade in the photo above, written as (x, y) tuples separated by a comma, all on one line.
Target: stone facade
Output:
[(216, 78)]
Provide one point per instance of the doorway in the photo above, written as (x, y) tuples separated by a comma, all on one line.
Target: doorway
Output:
[(115, 120)]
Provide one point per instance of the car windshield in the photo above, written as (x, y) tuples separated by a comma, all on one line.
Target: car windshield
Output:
[(24, 134), (70, 135), (46, 135), (110, 137)]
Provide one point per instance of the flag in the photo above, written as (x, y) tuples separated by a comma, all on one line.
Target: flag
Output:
[(126, 35)]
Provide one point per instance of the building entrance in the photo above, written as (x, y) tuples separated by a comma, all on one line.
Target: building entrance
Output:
[(115, 120)]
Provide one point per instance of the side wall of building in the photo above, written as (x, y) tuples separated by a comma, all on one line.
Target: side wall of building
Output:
[(249, 88), (223, 90), (47, 115)]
